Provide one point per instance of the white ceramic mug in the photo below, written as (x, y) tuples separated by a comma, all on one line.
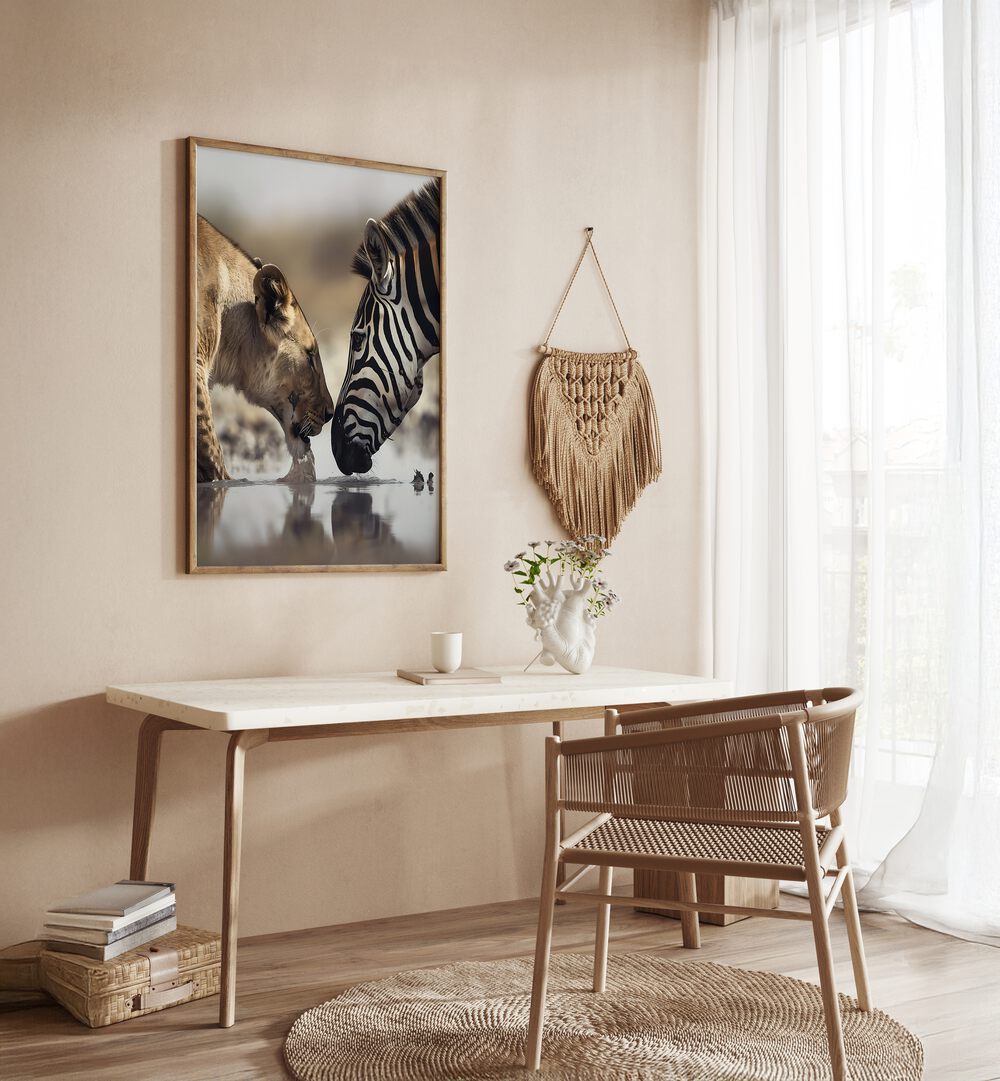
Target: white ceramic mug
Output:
[(446, 650)]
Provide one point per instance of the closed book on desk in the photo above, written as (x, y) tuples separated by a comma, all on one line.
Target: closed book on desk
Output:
[(463, 675), (113, 949)]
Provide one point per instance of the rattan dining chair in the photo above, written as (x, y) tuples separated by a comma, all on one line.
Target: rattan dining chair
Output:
[(736, 786)]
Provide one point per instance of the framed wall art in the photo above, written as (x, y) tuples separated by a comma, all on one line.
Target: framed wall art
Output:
[(315, 362)]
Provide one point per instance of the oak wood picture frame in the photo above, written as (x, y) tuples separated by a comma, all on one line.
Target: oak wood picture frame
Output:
[(194, 143)]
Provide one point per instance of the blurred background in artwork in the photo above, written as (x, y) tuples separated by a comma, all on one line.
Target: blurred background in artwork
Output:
[(308, 219)]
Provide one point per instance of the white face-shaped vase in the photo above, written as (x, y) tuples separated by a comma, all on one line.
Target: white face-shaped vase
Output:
[(558, 613)]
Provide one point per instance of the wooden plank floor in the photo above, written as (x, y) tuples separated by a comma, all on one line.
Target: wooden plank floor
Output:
[(945, 990)]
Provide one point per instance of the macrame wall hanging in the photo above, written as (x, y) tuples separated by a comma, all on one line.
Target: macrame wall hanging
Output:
[(594, 437)]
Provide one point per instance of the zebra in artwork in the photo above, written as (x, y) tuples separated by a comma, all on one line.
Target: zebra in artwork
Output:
[(396, 328)]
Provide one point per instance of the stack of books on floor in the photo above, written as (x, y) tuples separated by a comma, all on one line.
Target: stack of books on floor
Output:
[(112, 920)]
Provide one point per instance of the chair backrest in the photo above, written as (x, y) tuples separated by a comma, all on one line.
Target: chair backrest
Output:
[(658, 718), (740, 771), (829, 737)]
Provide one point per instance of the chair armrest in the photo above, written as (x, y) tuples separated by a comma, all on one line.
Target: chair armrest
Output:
[(717, 730), (838, 702), (642, 708)]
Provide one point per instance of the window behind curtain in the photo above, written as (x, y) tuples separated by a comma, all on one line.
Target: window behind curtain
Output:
[(864, 275)]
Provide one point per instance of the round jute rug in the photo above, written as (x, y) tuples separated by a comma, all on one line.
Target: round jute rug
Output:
[(658, 1019)]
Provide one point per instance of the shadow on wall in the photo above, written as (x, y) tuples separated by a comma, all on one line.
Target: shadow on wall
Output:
[(47, 773), (66, 772), (66, 785), (173, 359), (312, 820)]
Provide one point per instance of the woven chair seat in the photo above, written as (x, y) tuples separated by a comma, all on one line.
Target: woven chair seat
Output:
[(770, 846)]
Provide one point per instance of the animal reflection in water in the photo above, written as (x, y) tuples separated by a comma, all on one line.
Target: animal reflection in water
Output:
[(354, 523), (359, 529), (301, 529), (211, 500), (419, 483)]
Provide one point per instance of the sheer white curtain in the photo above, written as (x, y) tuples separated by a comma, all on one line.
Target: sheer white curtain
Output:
[(851, 377)]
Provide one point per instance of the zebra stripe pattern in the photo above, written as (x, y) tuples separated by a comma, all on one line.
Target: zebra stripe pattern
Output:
[(396, 328)]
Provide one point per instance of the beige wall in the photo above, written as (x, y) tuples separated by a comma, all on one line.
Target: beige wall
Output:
[(547, 116)]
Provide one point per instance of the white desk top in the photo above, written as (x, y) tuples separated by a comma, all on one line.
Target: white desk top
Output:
[(229, 705)]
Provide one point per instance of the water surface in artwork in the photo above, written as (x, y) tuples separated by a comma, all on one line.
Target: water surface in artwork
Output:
[(336, 522)]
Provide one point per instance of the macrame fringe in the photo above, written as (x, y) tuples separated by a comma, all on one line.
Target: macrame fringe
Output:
[(593, 485)]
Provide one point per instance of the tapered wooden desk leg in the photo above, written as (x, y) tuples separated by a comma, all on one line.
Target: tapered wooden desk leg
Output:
[(147, 765), (239, 744)]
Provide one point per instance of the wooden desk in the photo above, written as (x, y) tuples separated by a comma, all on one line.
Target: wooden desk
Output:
[(258, 711)]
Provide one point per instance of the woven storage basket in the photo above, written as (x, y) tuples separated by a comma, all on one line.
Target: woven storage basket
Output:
[(179, 967)]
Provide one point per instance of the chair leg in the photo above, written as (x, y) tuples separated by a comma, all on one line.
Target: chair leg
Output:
[(817, 899), (690, 928), (824, 959), (543, 949), (853, 920), (603, 929), (557, 730)]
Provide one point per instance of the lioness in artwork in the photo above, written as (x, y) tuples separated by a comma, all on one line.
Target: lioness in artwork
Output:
[(253, 336)]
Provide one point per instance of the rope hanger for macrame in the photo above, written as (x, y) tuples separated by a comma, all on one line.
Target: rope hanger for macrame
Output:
[(588, 245), (594, 439)]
